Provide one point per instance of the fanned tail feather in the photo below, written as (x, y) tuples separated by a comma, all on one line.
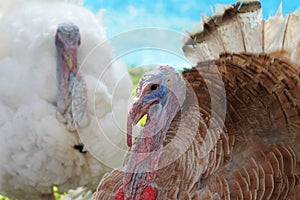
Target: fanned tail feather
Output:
[(241, 28)]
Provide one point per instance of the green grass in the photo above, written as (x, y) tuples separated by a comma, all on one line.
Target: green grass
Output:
[(136, 74), (57, 195), (4, 198)]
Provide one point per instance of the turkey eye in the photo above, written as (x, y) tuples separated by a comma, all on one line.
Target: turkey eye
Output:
[(79, 42), (154, 87)]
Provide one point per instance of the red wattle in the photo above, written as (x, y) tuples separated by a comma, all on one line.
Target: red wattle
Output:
[(129, 140), (129, 132), (149, 193), (120, 194)]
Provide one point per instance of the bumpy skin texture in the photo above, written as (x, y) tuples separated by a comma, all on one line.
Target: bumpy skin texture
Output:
[(71, 89), (157, 98), (255, 154), (149, 193)]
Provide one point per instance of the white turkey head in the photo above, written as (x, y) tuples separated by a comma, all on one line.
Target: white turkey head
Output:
[(71, 94)]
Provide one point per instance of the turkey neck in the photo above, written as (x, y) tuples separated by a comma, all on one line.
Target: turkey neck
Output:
[(142, 165)]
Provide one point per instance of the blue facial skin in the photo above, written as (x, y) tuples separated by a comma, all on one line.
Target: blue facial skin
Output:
[(159, 95)]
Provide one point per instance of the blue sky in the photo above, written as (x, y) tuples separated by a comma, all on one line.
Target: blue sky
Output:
[(125, 15)]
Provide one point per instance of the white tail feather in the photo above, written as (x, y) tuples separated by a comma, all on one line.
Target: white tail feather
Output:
[(241, 29), (291, 42), (274, 29)]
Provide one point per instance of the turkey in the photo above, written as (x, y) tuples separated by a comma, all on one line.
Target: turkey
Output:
[(63, 97), (229, 128)]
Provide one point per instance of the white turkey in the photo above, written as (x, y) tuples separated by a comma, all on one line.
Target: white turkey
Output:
[(229, 128), (64, 99)]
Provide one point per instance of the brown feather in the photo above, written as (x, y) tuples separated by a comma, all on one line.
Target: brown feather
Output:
[(255, 153), (269, 136)]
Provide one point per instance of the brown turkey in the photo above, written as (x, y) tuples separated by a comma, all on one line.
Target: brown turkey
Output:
[(229, 128)]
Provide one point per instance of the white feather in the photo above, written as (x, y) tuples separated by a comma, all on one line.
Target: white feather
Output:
[(36, 149), (274, 29), (246, 32)]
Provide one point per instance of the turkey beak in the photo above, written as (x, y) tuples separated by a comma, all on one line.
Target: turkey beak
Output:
[(69, 56), (138, 109), (134, 115), (69, 60)]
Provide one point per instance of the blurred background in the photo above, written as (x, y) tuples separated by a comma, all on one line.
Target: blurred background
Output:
[(120, 16), (176, 15)]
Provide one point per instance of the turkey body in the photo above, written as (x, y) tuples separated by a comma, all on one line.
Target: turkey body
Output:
[(242, 143), (255, 138), (37, 149)]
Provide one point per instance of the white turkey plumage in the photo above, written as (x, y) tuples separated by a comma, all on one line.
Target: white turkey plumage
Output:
[(37, 149), (236, 134)]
